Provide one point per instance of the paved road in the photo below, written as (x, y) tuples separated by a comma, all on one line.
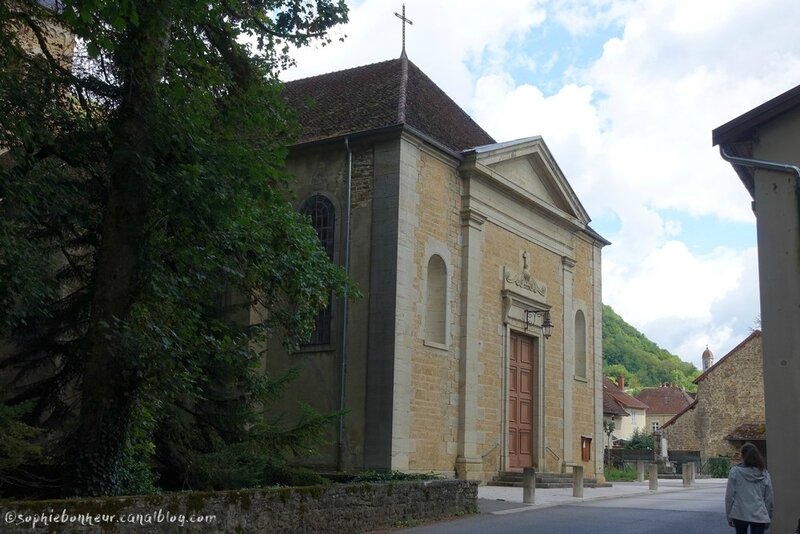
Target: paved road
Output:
[(694, 511)]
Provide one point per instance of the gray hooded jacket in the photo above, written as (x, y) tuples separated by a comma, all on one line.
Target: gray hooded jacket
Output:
[(749, 495)]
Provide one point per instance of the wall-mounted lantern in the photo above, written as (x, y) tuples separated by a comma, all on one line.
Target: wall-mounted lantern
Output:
[(547, 325)]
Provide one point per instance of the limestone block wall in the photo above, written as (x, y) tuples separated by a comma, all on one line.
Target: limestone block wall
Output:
[(504, 248), (324, 172), (336, 508), (435, 231), (585, 422), (683, 433), (732, 394)]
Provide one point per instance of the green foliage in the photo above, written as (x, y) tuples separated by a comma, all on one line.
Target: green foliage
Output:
[(18, 444), (283, 475), (393, 476), (640, 439), (627, 352), (137, 476), (615, 474), (719, 467), (143, 213)]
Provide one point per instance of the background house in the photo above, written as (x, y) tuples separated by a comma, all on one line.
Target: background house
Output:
[(663, 403), (464, 248), (729, 408), (615, 400)]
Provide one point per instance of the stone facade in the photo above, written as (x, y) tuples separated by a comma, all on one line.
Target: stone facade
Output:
[(729, 394), (450, 249)]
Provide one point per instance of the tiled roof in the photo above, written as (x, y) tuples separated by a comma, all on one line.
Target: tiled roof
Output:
[(665, 400), (389, 93), (611, 406), (748, 432), (624, 400)]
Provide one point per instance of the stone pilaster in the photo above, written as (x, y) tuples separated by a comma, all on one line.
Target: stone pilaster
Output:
[(468, 462), (596, 354), (568, 333)]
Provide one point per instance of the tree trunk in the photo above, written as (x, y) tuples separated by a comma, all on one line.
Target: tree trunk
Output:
[(110, 386)]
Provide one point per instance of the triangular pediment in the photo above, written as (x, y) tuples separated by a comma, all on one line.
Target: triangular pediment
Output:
[(527, 166), (523, 172)]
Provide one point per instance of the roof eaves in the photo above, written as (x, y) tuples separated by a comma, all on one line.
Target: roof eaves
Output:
[(382, 130), (499, 146), (741, 128)]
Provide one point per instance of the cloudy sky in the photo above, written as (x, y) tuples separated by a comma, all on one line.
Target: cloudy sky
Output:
[(625, 94)]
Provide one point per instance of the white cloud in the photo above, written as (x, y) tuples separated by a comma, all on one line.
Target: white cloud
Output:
[(633, 134), (631, 130), (446, 39)]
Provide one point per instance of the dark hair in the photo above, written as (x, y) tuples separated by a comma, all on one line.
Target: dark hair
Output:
[(751, 457)]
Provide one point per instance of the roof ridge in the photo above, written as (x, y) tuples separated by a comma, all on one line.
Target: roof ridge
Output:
[(359, 67), (401, 99), (754, 334)]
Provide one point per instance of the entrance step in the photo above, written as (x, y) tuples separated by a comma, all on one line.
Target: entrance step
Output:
[(543, 480)]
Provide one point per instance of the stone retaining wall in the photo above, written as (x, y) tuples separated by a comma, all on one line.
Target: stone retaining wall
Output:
[(336, 508)]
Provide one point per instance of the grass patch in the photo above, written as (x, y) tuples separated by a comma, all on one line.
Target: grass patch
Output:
[(615, 474)]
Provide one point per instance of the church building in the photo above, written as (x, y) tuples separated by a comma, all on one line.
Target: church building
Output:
[(476, 347)]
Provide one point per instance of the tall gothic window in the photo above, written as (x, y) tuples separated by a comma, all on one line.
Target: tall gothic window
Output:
[(580, 345), (322, 215)]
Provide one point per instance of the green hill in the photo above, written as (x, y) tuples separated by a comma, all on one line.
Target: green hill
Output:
[(628, 352)]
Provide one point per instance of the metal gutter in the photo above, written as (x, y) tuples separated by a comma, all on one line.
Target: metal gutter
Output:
[(776, 166)]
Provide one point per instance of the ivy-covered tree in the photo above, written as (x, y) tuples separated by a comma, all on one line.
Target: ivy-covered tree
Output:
[(143, 215)]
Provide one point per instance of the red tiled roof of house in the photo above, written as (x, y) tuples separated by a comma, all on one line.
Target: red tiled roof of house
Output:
[(611, 406), (665, 400), (624, 400), (389, 93)]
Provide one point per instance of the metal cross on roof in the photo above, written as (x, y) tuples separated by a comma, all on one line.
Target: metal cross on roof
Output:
[(404, 19)]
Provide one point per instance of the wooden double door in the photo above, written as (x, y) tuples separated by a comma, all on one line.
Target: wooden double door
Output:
[(522, 402)]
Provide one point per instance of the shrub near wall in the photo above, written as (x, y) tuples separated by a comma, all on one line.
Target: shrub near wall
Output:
[(335, 508)]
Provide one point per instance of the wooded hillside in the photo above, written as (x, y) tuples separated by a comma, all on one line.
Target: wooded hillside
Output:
[(628, 352)]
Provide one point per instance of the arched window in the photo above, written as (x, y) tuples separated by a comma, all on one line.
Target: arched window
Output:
[(436, 302), (320, 209), (580, 345)]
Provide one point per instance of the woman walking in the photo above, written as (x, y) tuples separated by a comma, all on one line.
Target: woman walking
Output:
[(748, 499)]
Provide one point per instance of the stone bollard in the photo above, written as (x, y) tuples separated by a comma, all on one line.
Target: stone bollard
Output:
[(529, 485), (640, 471), (693, 470), (577, 481), (653, 477), (687, 474)]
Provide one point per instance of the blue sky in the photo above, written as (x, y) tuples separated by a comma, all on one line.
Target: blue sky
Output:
[(625, 94)]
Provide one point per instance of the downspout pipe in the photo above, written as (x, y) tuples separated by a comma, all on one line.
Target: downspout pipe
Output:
[(776, 166), (762, 164), (345, 310)]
